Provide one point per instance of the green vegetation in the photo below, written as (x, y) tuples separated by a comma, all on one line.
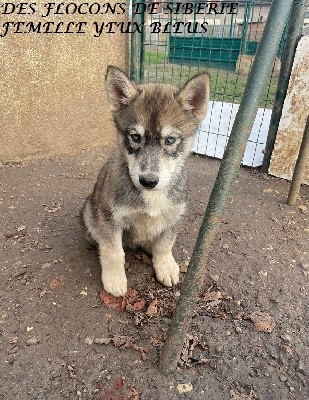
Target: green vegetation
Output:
[(226, 86)]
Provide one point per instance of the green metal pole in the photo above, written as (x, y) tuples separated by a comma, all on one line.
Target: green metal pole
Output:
[(259, 75), (299, 170), (142, 50), (137, 54), (244, 35), (294, 33)]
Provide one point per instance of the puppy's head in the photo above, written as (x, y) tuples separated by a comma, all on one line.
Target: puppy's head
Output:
[(156, 124)]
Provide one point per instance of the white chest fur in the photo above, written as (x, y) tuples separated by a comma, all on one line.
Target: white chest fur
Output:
[(148, 221)]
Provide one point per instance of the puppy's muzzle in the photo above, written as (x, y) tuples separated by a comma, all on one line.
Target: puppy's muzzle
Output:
[(148, 181)]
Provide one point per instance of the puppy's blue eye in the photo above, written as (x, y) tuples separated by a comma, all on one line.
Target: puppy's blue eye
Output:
[(136, 137), (170, 140)]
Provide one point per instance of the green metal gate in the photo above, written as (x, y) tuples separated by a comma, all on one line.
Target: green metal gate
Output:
[(220, 53), (226, 50)]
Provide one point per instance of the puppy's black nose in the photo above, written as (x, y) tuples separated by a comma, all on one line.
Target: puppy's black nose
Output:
[(149, 182)]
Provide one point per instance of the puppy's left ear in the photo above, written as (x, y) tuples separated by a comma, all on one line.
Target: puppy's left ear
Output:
[(194, 96), (120, 90)]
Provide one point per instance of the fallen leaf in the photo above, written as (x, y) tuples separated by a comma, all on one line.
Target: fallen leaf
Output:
[(123, 342), (235, 395), (102, 340), (119, 383), (116, 303), (54, 207), (144, 259), (71, 371), (133, 393), (56, 282), (134, 302), (184, 387), (138, 305), (263, 273), (288, 350), (157, 341), (152, 309), (215, 278), (183, 265), (213, 304), (117, 391), (213, 296), (43, 293), (262, 321)]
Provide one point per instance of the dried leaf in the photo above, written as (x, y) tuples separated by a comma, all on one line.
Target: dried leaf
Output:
[(54, 207), (119, 383), (215, 278), (118, 391), (183, 265), (152, 309), (123, 342), (133, 394), (144, 259), (213, 296), (157, 341), (262, 321), (71, 371), (235, 395), (138, 305), (102, 340), (56, 282), (116, 303), (213, 304), (184, 387), (134, 302), (187, 350)]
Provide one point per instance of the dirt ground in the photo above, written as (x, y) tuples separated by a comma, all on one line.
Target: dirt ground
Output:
[(59, 339)]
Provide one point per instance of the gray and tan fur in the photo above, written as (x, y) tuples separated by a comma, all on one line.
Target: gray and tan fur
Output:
[(140, 195)]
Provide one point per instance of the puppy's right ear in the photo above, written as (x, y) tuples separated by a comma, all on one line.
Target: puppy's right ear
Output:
[(120, 90)]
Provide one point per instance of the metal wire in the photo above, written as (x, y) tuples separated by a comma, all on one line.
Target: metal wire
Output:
[(174, 57)]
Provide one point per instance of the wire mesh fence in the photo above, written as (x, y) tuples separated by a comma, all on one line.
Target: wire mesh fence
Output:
[(180, 42)]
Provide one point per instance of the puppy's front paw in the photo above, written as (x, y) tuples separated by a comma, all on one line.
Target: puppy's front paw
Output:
[(114, 281), (167, 270)]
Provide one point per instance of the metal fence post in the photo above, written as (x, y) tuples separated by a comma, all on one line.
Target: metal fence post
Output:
[(303, 157), (260, 73), (294, 33)]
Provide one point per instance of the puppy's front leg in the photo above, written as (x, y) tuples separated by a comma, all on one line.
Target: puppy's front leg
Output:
[(166, 268), (112, 262)]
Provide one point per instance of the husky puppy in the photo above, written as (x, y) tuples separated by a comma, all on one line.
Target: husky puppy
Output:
[(140, 195)]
